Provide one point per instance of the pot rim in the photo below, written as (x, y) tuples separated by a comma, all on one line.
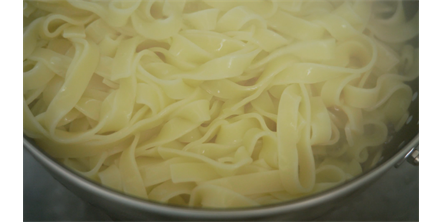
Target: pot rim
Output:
[(199, 213)]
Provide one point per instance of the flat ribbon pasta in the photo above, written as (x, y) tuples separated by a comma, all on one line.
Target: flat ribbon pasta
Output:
[(216, 104)]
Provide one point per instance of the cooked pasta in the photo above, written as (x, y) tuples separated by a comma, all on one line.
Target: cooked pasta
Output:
[(216, 104)]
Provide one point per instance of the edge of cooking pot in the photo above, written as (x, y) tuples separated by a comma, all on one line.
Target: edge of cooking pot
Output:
[(167, 210)]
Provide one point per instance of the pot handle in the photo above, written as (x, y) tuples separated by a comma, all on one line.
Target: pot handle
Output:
[(412, 157)]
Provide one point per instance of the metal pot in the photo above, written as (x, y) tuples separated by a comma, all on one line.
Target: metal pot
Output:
[(404, 145), (393, 197)]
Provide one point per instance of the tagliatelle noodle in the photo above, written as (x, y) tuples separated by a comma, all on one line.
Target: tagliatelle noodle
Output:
[(216, 104)]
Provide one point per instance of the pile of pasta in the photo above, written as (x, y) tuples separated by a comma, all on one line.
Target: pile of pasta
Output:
[(216, 104)]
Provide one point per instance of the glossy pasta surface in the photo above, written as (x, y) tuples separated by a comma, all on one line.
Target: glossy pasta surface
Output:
[(217, 104)]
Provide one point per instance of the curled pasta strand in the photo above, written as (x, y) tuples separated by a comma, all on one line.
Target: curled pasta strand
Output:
[(214, 103)]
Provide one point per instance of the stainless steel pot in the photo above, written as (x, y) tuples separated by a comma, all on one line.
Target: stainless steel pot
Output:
[(123, 207), (394, 196), (404, 145)]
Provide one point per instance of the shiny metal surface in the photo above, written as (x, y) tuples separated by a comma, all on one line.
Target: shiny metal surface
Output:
[(125, 207), (394, 197), (414, 157)]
